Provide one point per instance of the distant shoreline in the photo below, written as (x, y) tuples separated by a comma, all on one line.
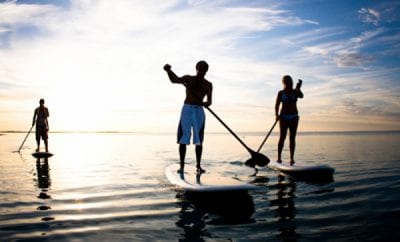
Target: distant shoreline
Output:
[(253, 133)]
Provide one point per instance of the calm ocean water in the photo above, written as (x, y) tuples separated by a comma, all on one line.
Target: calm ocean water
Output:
[(112, 187)]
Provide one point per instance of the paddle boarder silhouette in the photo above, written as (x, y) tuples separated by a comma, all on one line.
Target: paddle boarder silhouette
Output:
[(40, 116), (192, 114), (288, 115)]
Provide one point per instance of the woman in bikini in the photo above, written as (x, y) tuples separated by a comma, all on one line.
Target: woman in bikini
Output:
[(288, 115)]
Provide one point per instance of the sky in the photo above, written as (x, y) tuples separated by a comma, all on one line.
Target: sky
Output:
[(98, 63)]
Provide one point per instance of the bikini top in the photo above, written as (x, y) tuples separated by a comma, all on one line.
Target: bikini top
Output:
[(289, 98)]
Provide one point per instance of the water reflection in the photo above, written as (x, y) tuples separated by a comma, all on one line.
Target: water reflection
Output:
[(191, 220), (284, 208), (199, 209), (44, 183), (313, 177), (43, 177)]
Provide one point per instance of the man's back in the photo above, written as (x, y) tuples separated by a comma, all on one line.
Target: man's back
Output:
[(196, 89), (42, 113)]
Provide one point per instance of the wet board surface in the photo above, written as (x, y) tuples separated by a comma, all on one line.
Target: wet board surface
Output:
[(42, 154), (191, 181), (302, 169)]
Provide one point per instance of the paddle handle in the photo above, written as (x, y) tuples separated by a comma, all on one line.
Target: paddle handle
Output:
[(23, 142), (266, 137)]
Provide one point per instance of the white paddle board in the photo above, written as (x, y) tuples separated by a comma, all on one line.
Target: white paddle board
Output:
[(302, 170), (192, 181), (42, 154)]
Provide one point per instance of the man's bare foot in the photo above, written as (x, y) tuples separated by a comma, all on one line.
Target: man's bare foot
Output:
[(279, 161), (292, 162), (200, 170)]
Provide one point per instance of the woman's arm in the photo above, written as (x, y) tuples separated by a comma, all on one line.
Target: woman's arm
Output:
[(298, 91), (277, 104)]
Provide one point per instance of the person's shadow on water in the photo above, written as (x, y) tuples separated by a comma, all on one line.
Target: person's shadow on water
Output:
[(282, 204), (284, 208), (191, 220), (44, 184)]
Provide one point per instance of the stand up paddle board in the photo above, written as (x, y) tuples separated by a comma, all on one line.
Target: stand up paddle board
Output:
[(192, 181), (302, 170), (42, 154)]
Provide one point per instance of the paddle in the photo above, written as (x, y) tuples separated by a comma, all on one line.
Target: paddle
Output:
[(265, 139), (256, 158), (23, 142)]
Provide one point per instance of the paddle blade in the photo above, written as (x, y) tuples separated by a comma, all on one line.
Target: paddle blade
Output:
[(250, 163), (257, 159)]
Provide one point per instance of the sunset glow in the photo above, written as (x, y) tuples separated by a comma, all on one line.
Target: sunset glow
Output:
[(99, 63)]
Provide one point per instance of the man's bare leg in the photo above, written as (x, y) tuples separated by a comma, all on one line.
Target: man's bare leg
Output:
[(182, 155), (46, 144), (199, 152)]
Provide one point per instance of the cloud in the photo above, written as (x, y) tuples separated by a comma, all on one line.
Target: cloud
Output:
[(348, 52), (108, 55), (316, 50), (371, 109), (13, 13), (352, 59), (3, 30), (370, 16)]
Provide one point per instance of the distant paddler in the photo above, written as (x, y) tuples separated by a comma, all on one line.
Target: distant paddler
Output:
[(42, 124)]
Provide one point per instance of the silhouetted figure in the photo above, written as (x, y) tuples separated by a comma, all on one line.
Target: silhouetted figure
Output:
[(288, 115), (192, 114), (42, 125)]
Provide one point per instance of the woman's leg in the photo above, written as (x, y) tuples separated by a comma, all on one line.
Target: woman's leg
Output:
[(293, 131), (283, 131)]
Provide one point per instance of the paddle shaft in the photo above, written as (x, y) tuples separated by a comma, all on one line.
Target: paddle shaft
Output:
[(266, 137), (256, 158), (230, 130), (23, 142)]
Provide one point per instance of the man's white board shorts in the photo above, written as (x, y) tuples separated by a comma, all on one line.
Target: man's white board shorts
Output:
[(192, 117)]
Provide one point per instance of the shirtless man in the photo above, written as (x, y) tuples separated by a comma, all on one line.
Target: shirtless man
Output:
[(192, 115), (42, 125)]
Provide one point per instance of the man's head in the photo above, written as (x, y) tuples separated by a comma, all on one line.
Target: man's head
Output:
[(202, 68), (41, 101)]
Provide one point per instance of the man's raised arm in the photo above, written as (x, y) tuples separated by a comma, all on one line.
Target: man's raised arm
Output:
[(172, 76)]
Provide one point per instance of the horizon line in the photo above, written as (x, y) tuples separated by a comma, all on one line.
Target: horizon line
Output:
[(210, 132)]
